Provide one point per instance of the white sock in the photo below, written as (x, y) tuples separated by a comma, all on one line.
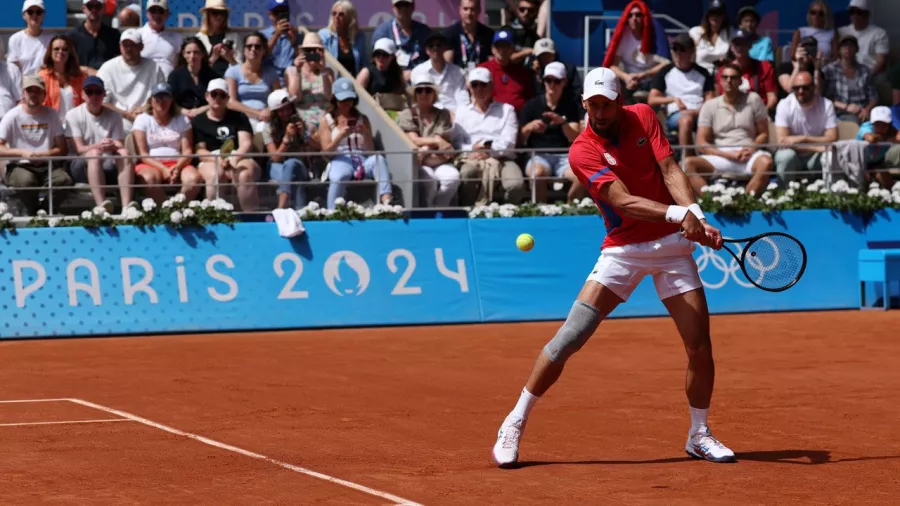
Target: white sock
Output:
[(523, 407), (698, 418)]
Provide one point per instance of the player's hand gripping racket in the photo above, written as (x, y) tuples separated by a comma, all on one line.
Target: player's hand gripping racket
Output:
[(773, 261)]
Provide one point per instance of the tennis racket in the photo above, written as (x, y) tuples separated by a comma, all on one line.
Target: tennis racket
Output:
[(773, 261)]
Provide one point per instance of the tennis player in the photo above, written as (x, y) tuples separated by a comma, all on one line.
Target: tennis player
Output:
[(652, 223)]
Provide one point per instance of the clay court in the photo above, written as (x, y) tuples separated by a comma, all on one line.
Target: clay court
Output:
[(808, 401)]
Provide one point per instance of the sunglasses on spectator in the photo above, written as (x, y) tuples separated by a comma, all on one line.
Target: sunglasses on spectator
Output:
[(93, 92), (477, 84), (802, 87), (156, 10), (636, 15), (337, 14), (380, 54), (526, 10), (679, 49), (253, 46), (403, 5), (857, 12), (219, 95), (94, 6), (551, 81), (34, 12), (61, 49), (424, 91), (816, 12), (731, 77)]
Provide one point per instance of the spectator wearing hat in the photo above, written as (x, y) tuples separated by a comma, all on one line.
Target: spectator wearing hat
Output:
[(894, 83), (383, 77), (285, 136), (549, 124), (807, 58), (878, 130), (848, 84), (30, 132), (513, 83), (820, 26), (630, 54), (682, 87), (95, 41), (760, 45), (164, 142), (160, 45), (251, 82), (129, 78), (211, 131), (523, 28), (98, 136), (469, 40), (343, 37), (10, 86), (26, 48), (712, 37), (759, 76), (348, 133), (407, 34), (450, 79), (222, 45), (310, 84), (545, 54), (62, 76), (191, 77), (430, 129), (485, 130), (282, 37), (873, 42)]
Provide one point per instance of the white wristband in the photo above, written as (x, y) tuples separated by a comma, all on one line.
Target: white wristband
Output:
[(676, 214), (695, 208)]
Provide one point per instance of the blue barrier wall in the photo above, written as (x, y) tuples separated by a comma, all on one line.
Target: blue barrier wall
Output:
[(72, 281)]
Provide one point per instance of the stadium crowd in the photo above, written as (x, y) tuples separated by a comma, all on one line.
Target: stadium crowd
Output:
[(191, 109)]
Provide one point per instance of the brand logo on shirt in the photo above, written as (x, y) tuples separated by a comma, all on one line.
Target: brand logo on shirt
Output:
[(223, 132), (642, 141), (609, 159)]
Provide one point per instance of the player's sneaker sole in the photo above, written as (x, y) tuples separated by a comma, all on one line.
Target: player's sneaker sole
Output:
[(720, 460)]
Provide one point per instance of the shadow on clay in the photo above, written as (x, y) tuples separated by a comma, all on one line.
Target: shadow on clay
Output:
[(801, 457)]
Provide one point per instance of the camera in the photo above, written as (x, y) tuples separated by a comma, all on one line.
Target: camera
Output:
[(229, 44), (282, 15), (313, 56), (487, 144)]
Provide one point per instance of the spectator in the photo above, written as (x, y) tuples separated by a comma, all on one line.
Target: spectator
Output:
[(545, 54), (848, 84), (713, 37), (211, 130), (470, 40), (407, 34), (880, 129), (761, 46), (26, 48), (160, 45), (874, 46), (129, 78), (281, 38), (630, 53), (513, 82), (343, 38), (730, 128), (430, 128), (98, 136), (807, 58), (220, 43), (803, 117), (820, 26), (165, 144), (251, 82), (383, 77), (191, 77), (311, 86), (759, 76), (62, 76), (487, 124), (130, 17), (682, 87), (524, 31), (95, 41), (10, 87), (348, 132), (550, 123), (30, 132), (450, 79), (287, 133), (895, 94)]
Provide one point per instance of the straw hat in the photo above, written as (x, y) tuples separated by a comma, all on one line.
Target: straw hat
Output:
[(312, 41), (423, 80), (215, 5)]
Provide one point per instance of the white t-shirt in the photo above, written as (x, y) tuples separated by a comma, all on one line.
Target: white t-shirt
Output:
[(28, 52), (873, 40), (163, 140), (812, 121), (10, 86), (708, 54), (633, 60), (128, 87), (161, 47), (32, 132), (92, 129)]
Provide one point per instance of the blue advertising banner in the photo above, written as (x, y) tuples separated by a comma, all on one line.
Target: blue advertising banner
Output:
[(11, 14)]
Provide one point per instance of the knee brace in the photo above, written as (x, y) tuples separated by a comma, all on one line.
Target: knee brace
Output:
[(580, 325)]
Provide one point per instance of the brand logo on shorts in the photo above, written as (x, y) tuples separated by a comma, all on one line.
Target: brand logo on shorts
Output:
[(642, 141), (609, 159)]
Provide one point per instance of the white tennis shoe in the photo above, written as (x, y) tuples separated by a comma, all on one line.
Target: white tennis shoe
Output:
[(703, 445), (506, 449)]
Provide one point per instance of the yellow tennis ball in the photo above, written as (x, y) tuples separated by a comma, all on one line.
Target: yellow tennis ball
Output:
[(525, 242)]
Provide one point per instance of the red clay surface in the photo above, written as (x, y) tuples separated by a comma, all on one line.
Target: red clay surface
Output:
[(807, 401)]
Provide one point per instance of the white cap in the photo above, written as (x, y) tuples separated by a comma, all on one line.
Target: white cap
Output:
[(859, 4), (217, 85), (480, 74), (544, 46), (881, 114), (385, 44), (277, 99), (555, 69), (601, 81), (158, 3), (423, 79), (132, 34), (85, 2), (32, 3)]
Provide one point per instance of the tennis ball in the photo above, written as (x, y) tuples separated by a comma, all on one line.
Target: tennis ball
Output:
[(525, 242)]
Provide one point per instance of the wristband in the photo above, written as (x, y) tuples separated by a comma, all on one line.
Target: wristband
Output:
[(695, 208), (676, 214)]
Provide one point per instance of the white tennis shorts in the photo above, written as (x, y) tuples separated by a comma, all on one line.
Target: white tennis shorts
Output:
[(724, 165), (668, 259)]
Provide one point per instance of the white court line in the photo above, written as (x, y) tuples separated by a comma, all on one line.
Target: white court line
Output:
[(17, 401), (105, 420), (246, 453)]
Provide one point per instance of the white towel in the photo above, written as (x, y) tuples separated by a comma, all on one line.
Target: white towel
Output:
[(289, 223)]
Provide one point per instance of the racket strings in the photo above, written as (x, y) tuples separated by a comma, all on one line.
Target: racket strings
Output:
[(774, 262)]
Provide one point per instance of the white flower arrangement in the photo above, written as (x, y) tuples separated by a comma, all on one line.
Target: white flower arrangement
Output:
[(347, 211)]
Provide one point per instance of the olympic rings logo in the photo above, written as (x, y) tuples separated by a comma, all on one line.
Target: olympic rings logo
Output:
[(730, 268)]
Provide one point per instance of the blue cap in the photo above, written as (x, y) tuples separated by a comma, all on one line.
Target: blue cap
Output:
[(161, 89), (503, 36), (342, 89), (93, 81), (276, 4)]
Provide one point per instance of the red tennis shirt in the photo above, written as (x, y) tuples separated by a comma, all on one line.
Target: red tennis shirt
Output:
[(634, 161)]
